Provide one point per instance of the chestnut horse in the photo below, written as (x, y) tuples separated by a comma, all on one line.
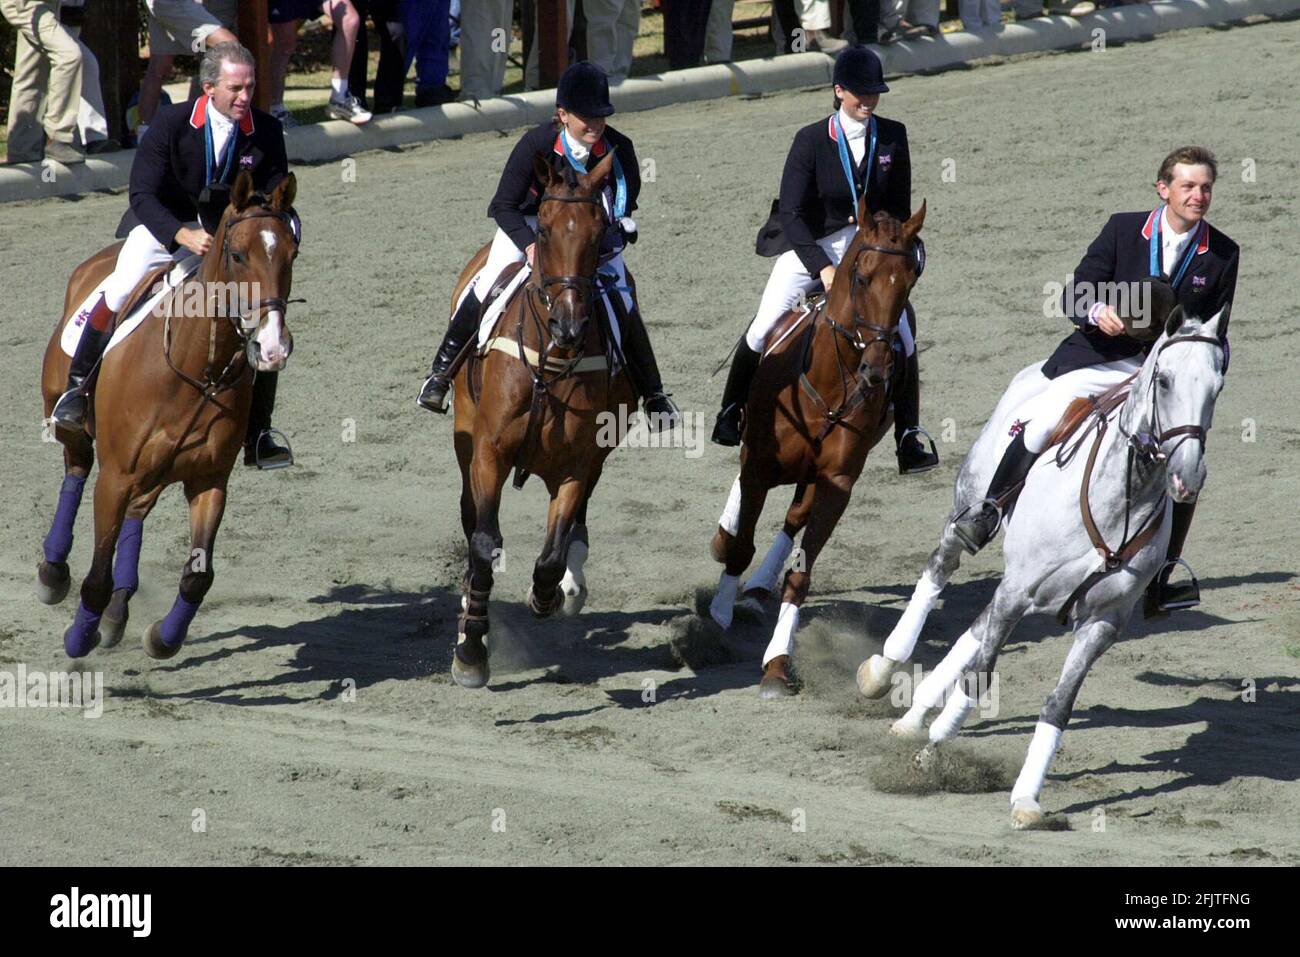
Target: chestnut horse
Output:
[(171, 405), (540, 414), (819, 403)]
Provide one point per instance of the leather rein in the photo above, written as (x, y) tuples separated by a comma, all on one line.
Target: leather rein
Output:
[(853, 385), (1150, 447)]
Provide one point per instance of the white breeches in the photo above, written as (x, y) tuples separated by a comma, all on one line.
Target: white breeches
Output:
[(504, 252), (140, 254), (790, 281), (1042, 412)]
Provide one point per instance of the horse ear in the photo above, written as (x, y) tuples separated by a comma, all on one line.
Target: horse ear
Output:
[(1174, 321), (914, 224), (595, 179), (283, 194), (242, 190), (1218, 326), (544, 171)]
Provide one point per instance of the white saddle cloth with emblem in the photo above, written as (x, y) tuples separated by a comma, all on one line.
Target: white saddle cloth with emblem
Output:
[(127, 324)]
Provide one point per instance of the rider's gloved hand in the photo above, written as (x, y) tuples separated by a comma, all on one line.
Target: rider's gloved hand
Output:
[(627, 226), (195, 240)]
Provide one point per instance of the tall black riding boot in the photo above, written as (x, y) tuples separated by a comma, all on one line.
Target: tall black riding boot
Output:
[(977, 527), (462, 327), (74, 405), (643, 370), (1162, 596), (727, 430), (913, 456), (261, 450)]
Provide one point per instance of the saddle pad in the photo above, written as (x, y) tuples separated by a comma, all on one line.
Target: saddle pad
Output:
[(128, 323), (493, 312)]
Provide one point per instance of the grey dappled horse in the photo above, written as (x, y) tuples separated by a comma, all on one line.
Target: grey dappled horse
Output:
[(1048, 552)]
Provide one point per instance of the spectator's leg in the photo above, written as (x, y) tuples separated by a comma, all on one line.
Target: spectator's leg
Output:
[(602, 32), (531, 70), (26, 132), (41, 28), (718, 34), (346, 25), (685, 22), (969, 11), (485, 27), (160, 66), (625, 32), (284, 40), (925, 13), (991, 11), (891, 14), (785, 19), (429, 44), (390, 76), (866, 15), (92, 115), (358, 79), (814, 14)]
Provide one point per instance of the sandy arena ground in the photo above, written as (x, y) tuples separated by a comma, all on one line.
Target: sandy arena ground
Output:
[(311, 716)]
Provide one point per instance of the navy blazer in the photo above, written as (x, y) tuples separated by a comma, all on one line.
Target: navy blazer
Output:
[(815, 198), (170, 166), (1122, 253), (519, 190)]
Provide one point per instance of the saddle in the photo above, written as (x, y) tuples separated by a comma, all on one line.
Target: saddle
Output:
[(1078, 411)]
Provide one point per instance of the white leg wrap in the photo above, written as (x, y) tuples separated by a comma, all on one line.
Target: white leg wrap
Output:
[(929, 693), (574, 580), (730, 519), (953, 715), (724, 602), (769, 573), (782, 643), (1041, 751), (902, 640)]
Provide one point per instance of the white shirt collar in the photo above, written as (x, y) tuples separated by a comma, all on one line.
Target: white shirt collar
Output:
[(853, 129), (223, 128), (1172, 244), (580, 151)]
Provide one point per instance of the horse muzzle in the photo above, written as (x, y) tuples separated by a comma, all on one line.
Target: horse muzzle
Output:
[(270, 358)]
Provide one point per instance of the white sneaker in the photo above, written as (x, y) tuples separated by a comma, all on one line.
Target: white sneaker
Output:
[(348, 108)]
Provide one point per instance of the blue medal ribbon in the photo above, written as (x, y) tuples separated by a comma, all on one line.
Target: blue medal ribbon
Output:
[(1156, 247), (846, 161), (620, 181), (210, 153)]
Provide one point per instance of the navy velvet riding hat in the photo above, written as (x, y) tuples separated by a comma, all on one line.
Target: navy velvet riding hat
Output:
[(584, 89), (860, 71)]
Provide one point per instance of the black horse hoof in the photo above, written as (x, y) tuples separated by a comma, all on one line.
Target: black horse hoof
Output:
[(113, 625), (545, 609), (469, 675), (53, 579), (154, 646)]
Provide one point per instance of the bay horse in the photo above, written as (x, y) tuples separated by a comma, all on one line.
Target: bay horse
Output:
[(170, 405), (536, 401), (818, 405), (1088, 533)]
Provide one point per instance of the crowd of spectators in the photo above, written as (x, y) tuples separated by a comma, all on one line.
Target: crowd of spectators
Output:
[(56, 108)]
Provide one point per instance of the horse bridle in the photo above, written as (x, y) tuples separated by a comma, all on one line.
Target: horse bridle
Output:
[(243, 328), (1151, 444), (878, 333), (585, 286)]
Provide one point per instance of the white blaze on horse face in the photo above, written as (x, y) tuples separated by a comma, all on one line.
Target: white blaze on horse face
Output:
[(272, 342), (268, 237)]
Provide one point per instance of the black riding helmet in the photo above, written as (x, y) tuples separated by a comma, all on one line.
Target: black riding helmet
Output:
[(584, 89), (860, 71)]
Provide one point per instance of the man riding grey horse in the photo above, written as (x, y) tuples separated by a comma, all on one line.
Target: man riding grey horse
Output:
[(1173, 241)]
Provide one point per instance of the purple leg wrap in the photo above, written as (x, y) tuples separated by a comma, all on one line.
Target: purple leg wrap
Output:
[(177, 622), (126, 568), (58, 543), (80, 638)]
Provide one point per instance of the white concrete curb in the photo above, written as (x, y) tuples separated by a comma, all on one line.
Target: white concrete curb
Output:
[(322, 142)]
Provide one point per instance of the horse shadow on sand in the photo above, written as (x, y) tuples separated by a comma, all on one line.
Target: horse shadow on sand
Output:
[(373, 634)]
